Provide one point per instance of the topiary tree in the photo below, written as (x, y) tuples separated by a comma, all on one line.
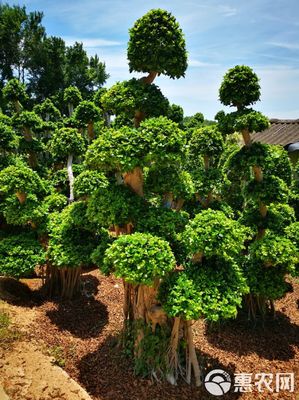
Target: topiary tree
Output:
[(29, 123), (15, 92), (264, 174), (20, 254), (136, 99), (157, 46), (21, 192), (71, 243), (72, 97), (126, 151), (205, 148), (67, 143), (86, 113), (47, 111)]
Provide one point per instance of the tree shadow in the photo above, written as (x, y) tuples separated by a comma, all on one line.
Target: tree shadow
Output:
[(84, 317), (272, 339), (18, 293), (108, 374)]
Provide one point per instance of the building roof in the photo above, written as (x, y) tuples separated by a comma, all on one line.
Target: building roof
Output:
[(281, 131)]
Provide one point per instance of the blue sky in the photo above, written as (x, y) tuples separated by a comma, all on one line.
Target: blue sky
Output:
[(219, 35)]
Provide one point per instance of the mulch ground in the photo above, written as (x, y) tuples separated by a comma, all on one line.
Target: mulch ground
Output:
[(86, 330)]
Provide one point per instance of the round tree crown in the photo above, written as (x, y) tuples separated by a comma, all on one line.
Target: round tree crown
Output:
[(240, 87), (157, 44)]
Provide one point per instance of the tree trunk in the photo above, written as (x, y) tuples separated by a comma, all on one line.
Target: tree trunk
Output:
[(246, 137), (70, 177), (206, 160), (168, 200), (71, 109), (17, 106), (134, 179), (138, 118), (21, 197), (150, 78), (258, 173), (90, 130)]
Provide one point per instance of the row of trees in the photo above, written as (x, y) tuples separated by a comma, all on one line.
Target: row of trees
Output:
[(44, 62), (194, 224)]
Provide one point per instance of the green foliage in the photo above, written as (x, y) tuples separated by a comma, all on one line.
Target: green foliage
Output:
[(157, 44), (274, 251), (72, 95), (139, 258), (14, 91), (8, 138), (165, 141), (88, 182), (206, 141), (165, 223), (47, 111), (113, 205), (27, 119), (270, 190), (20, 178), (129, 96), (98, 254), (194, 121), (117, 150), (212, 290), (180, 297), (240, 120), (214, 234), (87, 112), (20, 254), (55, 202), (69, 244), (173, 180), (240, 87), (66, 141), (176, 114), (157, 140)]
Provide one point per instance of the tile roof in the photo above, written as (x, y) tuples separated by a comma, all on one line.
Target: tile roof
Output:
[(281, 131)]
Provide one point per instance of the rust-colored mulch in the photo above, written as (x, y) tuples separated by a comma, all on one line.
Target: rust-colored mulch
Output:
[(87, 329)]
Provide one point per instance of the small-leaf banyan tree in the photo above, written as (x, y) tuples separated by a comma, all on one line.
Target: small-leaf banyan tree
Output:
[(28, 122), (136, 99), (66, 143), (47, 111), (87, 113), (71, 243), (205, 148), (15, 92), (20, 254), (156, 46), (21, 195), (263, 189), (72, 97)]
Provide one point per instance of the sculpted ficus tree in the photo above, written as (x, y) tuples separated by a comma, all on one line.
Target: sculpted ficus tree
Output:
[(136, 100), (264, 173), (71, 243), (205, 148), (21, 192), (15, 92), (47, 111), (66, 143), (29, 123), (86, 114), (72, 97), (156, 46)]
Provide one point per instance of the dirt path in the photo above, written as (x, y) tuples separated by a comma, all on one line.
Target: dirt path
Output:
[(26, 373)]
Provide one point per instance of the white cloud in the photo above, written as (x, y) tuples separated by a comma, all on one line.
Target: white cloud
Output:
[(284, 45), (91, 43)]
